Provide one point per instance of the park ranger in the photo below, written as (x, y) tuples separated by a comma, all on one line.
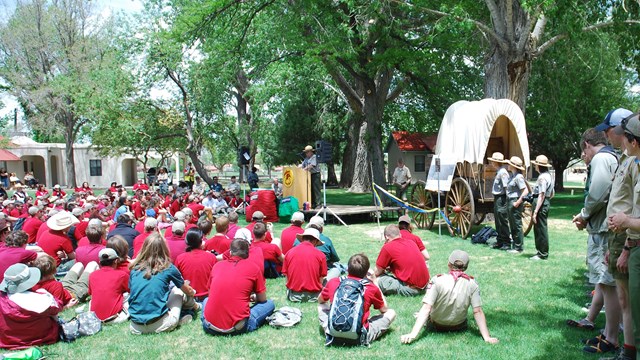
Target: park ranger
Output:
[(500, 203), (542, 192)]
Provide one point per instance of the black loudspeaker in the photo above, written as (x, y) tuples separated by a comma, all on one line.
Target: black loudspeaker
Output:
[(323, 151), (243, 155)]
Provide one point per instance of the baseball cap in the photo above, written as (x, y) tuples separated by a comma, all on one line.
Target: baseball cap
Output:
[(258, 215), (33, 210), (150, 222), (77, 211), (613, 118), (459, 255), (317, 221), (7, 202), (243, 234), (177, 226), (630, 125), (404, 219), (297, 216), (107, 254)]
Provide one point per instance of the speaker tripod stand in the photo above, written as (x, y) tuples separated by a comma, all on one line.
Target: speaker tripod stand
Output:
[(326, 208)]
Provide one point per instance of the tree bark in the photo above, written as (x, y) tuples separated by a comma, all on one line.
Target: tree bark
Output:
[(349, 156), (332, 178), (361, 180), (70, 161), (507, 76)]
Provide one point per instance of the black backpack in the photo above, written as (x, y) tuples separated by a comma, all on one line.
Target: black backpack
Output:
[(347, 311), (482, 236)]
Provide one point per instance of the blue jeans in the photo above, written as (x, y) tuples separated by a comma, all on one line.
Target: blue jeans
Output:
[(258, 316)]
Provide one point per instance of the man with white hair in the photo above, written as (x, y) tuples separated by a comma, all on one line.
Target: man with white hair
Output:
[(33, 223), (288, 235), (150, 226)]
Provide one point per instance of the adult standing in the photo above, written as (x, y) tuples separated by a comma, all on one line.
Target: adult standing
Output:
[(500, 203), (543, 191), (310, 164), (602, 162), (401, 178), (516, 191), (253, 179)]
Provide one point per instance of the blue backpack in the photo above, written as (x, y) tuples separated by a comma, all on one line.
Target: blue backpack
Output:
[(346, 313)]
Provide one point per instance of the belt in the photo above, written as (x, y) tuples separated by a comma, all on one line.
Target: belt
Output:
[(632, 243), (150, 321)]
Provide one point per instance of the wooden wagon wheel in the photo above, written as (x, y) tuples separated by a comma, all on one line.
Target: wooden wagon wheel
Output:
[(459, 206), (479, 218), (423, 199)]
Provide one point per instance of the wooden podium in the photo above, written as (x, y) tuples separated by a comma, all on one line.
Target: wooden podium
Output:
[(297, 183)]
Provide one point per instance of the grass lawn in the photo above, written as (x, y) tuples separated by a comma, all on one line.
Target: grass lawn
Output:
[(526, 304)]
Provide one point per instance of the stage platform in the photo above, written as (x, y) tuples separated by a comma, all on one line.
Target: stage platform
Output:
[(354, 213)]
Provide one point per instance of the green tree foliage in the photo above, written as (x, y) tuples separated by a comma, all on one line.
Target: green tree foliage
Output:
[(572, 89), (57, 59)]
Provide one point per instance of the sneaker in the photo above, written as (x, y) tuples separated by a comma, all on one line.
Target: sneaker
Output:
[(185, 320), (536, 257), (619, 356), (602, 346), (582, 324), (514, 251)]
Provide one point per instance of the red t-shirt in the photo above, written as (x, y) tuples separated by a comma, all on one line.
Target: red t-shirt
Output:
[(31, 226), (176, 246), (55, 288), (138, 242), (405, 261), (231, 232), (267, 236), (304, 265), (106, 287), (14, 255), (84, 241), (415, 238), (372, 296), (143, 187), (88, 253), (232, 283), (81, 229), (196, 208), (124, 267), (255, 255), (288, 237), (138, 212), (140, 226), (53, 241), (175, 207), (270, 251), (196, 266), (218, 243), (41, 231)]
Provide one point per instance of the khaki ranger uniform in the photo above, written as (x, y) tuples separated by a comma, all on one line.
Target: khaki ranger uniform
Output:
[(633, 244), (544, 184), (621, 200), (450, 300), (501, 206), (401, 176)]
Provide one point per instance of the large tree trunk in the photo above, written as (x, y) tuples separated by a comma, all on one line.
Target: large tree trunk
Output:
[(332, 178), (374, 110), (198, 165), (361, 180), (507, 65), (70, 158), (349, 156), (507, 77), (559, 167)]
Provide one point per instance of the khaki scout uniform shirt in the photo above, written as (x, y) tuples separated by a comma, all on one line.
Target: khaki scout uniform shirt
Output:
[(450, 300)]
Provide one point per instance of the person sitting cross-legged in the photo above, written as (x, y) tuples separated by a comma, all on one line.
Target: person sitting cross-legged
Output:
[(305, 267), (408, 275), (374, 326), (447, 300), (235, 283)]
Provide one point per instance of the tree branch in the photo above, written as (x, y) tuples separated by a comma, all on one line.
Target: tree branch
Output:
[(348, 67), (496, 18), (484, 28), (509, 20), (353, 99), (542, 48)]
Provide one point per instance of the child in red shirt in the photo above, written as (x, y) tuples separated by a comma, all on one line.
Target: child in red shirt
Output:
[(195, 264), (219, 242), (376, 326), (72, 289), (273, 257), (305, 266), (107, 287)]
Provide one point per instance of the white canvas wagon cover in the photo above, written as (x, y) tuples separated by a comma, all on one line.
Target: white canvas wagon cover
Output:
[(467, 127)]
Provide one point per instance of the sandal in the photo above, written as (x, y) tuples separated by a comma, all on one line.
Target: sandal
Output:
[(582, 324), (602, 346), (593, 341)]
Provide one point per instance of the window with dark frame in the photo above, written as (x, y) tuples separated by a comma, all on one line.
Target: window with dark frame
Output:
[(95, 167), (420, 163)]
